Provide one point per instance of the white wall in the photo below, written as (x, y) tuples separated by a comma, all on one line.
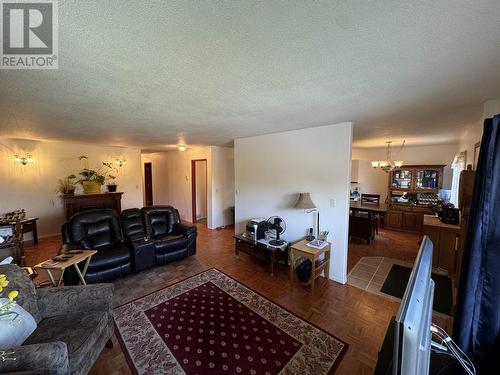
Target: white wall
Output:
[(201, 189), (474, 132), (375, 181), (171, 172), (491, 108), (222, 185), (271, 170), (471, 136), (33, 187)]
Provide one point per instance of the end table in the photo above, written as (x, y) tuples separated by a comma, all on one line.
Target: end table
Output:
[(85, 255), (300, 249)]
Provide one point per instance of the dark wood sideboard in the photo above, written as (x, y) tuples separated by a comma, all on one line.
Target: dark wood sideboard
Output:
[(81, 202), (416, 180)]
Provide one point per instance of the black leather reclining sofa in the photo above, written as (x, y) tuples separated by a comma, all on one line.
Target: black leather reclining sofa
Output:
[(140, 239)]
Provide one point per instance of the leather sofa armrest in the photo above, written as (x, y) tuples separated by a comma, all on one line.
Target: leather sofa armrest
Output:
[(143, 253), (47, 358), (137, 238), (72, 299), (185, 229)]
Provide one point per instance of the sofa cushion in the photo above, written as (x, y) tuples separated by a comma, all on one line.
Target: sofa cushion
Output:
[(168, 244), (109, 258), (159, 224), (132, 223), (80, 331), (87, 228), (19, 280), (15, 329), (99, 234), (160, 220)]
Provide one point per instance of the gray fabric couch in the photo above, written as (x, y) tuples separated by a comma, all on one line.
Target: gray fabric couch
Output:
[(74, 325)]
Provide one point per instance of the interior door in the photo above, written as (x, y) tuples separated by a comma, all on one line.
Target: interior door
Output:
[(148, 184)]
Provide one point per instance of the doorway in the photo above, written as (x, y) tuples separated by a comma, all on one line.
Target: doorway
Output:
[(148, 184), (199, 191)]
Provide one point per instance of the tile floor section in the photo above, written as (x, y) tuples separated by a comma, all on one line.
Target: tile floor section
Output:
[(370, 273)]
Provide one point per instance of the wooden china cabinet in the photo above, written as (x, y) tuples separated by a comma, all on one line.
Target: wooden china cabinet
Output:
[(421, 183)]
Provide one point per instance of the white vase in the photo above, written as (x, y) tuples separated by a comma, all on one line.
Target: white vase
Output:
[(15, 331)]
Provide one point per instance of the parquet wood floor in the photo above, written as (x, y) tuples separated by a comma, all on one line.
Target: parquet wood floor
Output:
[(351, 314)]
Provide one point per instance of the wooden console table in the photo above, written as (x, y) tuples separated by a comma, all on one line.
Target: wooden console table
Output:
[(76, 203), (259, 250)]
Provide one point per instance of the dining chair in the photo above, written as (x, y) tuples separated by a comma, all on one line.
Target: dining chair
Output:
[(375, 200), (370, 198)]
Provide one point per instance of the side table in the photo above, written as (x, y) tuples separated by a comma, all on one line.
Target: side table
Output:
[(85, 255), (269, 254), (300, 249)]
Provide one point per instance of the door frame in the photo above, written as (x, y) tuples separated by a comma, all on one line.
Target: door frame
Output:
[(145, 186), (193, 187)]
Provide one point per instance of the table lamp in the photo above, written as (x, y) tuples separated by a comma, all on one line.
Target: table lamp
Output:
[(305, 203)]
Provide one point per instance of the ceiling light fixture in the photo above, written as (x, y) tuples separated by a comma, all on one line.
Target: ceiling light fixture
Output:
[(23, 159), (388, 165), (181, 148)]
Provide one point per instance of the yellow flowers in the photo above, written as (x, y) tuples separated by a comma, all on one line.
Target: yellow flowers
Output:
[(3, 282), (6, 307), (13, 294)]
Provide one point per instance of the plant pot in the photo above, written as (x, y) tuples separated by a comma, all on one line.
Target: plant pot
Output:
[(91, 187), (112, 188)]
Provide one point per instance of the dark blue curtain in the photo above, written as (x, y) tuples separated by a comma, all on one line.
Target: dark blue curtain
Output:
[(477, 320)]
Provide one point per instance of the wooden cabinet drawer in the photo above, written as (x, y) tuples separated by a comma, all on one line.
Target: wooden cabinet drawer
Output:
[(244, 247), (393, 219), (412, 221)]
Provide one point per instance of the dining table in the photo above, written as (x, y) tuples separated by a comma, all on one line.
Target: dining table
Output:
[(363, 228), (370, 208)]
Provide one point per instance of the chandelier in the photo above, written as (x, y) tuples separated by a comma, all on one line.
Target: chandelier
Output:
[(388, 164)]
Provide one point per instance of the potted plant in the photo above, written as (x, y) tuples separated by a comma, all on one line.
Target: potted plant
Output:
[(111, 185), (93, 179), (67, 185)]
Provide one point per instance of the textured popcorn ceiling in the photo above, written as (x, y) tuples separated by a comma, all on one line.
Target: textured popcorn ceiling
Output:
[(157, 73)]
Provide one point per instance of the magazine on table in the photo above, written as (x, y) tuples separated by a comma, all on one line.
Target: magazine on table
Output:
[(317, 244), (50, 263)]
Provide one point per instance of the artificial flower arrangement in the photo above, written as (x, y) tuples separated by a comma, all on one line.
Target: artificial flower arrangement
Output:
[(6, 307)]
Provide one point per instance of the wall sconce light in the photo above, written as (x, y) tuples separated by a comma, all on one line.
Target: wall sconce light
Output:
[(23, 159), (120, 162), (181, 147)]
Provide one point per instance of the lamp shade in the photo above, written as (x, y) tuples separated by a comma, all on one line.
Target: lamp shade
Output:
[(304, 202)]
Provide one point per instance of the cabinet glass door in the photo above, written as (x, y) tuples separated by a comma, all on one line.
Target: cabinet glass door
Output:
[(401, 179), (427, 179)]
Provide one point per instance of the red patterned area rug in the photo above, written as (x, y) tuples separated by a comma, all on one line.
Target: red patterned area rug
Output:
[(211, 324)]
